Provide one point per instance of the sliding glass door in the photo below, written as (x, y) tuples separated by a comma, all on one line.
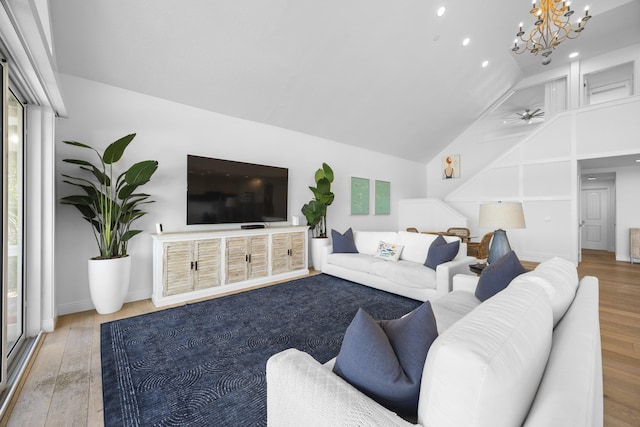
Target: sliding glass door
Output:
[(12, 190), (14, 293)]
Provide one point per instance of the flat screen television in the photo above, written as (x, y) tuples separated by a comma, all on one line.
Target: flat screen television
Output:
[(224, 191)]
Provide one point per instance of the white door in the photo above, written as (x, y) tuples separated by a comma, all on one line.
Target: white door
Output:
[(594, 218)]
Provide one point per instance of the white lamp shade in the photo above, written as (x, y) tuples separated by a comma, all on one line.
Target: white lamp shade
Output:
[(501, 215)]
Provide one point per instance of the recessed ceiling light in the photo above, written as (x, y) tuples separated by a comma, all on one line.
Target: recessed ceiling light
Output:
[(466, 41), (637, 160), (573, 54), (591, 178), (484, 64), (441, 11)]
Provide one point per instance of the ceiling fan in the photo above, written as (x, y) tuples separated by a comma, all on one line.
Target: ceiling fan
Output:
[(527, 117)]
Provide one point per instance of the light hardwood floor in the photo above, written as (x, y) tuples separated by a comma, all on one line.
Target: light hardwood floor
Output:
[(64, 388)]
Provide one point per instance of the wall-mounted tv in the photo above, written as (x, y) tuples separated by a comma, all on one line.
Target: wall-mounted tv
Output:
[(224, 191)]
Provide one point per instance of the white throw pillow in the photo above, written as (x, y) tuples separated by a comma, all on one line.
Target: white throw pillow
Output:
[(388, 251), (485, 369)]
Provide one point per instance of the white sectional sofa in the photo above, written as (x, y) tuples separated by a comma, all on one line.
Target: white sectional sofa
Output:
[(408, 276), (496, 363)]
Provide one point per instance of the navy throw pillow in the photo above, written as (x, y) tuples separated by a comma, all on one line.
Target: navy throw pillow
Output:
[(497, 276), (385, 359), (343, 243), (440, 251)]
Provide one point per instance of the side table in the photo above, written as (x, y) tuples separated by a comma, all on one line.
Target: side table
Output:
[(477, 268)]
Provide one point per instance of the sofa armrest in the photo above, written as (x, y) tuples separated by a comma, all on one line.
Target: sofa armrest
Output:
[(465, 282), (326, 250), (446, 271), (301, 391)]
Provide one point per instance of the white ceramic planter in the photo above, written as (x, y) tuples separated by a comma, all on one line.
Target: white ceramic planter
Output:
[(317, 243), (109, 283)]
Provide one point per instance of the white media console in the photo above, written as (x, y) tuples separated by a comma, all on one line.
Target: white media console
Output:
[(198, 264)]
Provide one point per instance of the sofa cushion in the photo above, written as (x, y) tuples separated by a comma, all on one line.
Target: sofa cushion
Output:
[(452, 307), (385, 359), (388, 251), (367, 241), (416, 245), (356, 262), (406, 273), (497, 276), (558, 278), (343, 243), (485, 369), (440, 252)]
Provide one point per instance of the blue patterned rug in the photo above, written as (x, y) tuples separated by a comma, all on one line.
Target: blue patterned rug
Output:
[(203, 364)]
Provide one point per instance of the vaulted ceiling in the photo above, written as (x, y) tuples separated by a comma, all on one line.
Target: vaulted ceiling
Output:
[(389, 76)]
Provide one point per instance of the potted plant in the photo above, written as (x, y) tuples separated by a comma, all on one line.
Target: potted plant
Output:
[(110, 205), (316, 212)]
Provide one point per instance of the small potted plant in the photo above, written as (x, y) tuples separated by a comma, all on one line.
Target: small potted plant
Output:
[(316, 212), (110, 204)]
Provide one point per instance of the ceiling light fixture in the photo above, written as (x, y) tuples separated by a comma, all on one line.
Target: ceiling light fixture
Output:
[(591, 178), (441, 11), (552, 27), (573, 55), (484, 64), (466, 41)]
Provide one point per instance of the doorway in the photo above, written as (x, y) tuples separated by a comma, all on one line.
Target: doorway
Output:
[(597, 212)]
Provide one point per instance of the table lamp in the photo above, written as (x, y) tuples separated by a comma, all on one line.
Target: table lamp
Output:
[(500, 216)]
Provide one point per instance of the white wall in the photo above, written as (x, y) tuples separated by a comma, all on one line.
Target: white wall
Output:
[(627, 209), (542, 172), (541, 169), (476, 150), (167, 132), (627, 203)]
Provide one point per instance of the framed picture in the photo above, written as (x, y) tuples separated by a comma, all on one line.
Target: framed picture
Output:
[(383, 198), (359, 196), (451, 166)]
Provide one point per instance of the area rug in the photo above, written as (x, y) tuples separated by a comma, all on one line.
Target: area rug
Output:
[(204, 364)]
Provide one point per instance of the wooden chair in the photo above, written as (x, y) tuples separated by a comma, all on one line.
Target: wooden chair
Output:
[(480, 249), (412, 230), (463, 233)]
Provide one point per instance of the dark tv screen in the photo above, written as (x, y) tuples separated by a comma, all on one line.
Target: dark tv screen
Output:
[(224, 191)]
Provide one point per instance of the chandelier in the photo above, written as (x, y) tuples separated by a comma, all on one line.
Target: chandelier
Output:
[(552, 27)]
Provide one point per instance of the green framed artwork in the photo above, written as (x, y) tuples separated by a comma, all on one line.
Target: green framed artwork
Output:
[(359, 196), (383, 198)]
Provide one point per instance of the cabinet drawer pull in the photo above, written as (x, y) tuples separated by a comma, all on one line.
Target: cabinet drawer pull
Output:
[(196, 265), (191, 265)]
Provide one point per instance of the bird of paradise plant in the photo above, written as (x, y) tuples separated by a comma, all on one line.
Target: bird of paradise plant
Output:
[(109, 205)]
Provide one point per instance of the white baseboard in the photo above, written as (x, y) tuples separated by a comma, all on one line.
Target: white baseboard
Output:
[(84, 305)]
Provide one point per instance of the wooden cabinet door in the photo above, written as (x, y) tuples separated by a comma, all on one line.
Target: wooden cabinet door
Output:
[(280, 253), (297, 251), (177, 274), (258, 255), (237, 259), (287, 252), (207, 263)]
